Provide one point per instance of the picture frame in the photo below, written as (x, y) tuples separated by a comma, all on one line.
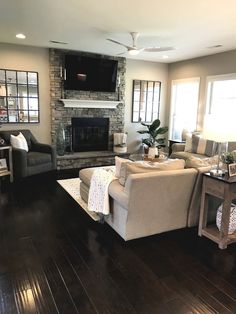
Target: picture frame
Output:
[(232, 169), (3, 165)]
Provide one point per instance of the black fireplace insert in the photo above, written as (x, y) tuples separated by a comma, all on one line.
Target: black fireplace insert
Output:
[(90, 134)]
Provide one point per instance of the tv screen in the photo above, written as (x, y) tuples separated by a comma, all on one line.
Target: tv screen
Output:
[(90, 74)]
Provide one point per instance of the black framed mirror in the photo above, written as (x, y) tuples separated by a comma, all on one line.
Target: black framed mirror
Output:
[(146, 100), (19, 96)]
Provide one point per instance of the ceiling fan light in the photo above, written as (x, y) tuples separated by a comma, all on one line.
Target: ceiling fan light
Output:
[(133, 52)]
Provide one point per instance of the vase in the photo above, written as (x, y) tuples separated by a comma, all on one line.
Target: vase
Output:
[(60, 140)]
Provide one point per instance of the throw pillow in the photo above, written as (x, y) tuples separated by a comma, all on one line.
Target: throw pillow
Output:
[(19, 142), (195, 162), (118, 163), (188, 143), (145, 166), (203, 146)]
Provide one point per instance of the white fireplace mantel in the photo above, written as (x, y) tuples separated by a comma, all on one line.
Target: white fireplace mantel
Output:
[(79, 103)]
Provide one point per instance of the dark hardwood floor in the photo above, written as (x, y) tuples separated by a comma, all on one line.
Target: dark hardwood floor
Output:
[(55, 259)]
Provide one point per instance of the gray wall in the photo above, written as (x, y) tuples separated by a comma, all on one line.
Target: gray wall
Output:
[(16, 57), (143, 70), (221, 63)]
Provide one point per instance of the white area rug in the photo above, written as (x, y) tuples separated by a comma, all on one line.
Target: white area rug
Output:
[(72, 186)]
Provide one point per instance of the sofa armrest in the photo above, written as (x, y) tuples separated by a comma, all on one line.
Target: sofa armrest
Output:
[(178, 147)]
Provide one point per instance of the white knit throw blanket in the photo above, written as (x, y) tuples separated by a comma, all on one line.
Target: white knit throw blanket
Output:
[(98, 200)]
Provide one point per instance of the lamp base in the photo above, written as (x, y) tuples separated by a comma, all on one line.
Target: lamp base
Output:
[(217, 173)]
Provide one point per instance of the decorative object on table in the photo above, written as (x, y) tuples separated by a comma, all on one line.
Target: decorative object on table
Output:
[(120, 142), (3, 165), (60, 140), (232, 220), (232, 169), (153, 142), (227, 159), (2, 141), (221, 131)]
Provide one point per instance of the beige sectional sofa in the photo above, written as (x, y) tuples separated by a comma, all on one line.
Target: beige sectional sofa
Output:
[(151, 203)]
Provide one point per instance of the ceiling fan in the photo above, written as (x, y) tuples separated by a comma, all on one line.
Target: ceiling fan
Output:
[(134, 50)]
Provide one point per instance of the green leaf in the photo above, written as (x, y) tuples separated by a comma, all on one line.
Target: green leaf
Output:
[(162, 130), (143, 132), (155, 124)]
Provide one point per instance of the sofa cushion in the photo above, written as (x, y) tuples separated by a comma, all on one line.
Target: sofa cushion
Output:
[(203, 146), (36, 158), (145, 166), (118, 163)]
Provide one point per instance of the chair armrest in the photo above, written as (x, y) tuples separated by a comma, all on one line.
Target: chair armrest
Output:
[(178, 147), (46, 148), (42, 148), (19, 157)]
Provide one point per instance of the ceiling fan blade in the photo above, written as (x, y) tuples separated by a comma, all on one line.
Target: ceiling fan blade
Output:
[(157, 49), (118, 43), (122, 53)]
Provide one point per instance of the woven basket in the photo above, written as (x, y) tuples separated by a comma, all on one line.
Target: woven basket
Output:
[(232, 220)]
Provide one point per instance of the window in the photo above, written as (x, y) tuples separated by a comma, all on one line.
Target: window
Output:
[(221, 95), (184, 106), (146, 100), (19, 98)]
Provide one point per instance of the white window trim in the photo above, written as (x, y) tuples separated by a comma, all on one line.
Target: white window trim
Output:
[(215, 78), (173, 82)]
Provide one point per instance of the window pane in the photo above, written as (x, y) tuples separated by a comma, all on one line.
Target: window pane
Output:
[(11, 76), (184, 105), (33, 116), (23, 116), (22, 77), (22, 90), (2, 76), (11, 90), (135, 116), (33, 103), (222, 96), (32, 78)]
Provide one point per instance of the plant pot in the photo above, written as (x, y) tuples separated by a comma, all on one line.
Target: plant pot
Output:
[(152, 152)]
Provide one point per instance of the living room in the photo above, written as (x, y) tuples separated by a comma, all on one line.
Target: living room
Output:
[(54, 257)]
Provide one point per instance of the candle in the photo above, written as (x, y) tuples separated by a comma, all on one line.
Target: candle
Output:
[(118, 82), (64, 74)]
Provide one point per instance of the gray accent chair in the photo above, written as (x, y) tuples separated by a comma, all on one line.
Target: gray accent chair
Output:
[(40, 157)]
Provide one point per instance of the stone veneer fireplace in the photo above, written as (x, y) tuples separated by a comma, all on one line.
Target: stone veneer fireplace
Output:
[(62, 114)]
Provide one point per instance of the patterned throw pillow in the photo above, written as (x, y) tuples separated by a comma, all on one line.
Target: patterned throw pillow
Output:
[(203, 146)]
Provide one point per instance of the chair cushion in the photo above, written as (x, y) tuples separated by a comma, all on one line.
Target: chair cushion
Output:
[(19, 142), (36, 158)]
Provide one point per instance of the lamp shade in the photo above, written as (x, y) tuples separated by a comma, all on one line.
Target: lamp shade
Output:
[(220, 128)]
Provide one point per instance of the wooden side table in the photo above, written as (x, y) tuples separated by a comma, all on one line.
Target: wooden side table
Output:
[(8, 172), (225, 189)]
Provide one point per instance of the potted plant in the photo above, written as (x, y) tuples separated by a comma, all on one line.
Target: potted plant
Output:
[(153, 141)]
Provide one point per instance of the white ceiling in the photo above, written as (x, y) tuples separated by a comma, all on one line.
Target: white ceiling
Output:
[(189, 25)]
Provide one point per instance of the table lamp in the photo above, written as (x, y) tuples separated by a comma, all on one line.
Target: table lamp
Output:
[(222, 130)]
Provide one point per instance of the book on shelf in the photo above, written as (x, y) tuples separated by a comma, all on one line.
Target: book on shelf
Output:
[(3, 165)]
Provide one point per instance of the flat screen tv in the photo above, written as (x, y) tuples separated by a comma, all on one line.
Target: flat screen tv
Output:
[(90, 74)]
